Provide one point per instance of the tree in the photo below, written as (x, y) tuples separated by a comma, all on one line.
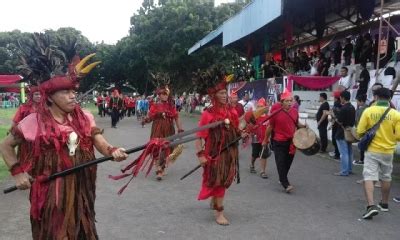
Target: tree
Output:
[(160, 37)]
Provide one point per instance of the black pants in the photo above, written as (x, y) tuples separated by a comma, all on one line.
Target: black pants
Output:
[(114, 117), (347, 60), (323, 135), (283, 161), (362, 154), (131, 111), (334, 129)]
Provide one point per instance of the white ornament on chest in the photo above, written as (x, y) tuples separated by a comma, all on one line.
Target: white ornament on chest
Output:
[(72, 143)]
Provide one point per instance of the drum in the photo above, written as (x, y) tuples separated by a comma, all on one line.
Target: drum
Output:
[(306, 141)]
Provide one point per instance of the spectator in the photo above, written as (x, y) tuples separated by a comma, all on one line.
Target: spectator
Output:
[(234, 101), (378, 162), (296, 103), (361, 106), (337, 53), (268, 70), (345, 118), (391, 47), (322, 65), (246, 103), (336, 108), (345, 80), (348, 51), (358, 48), (322, 121), (366, 51), (363, 81)]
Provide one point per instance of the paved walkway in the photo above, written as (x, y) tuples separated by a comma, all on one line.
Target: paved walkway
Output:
[(322, 207)]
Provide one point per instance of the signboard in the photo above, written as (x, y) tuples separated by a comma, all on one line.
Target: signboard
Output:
[(266, 88)]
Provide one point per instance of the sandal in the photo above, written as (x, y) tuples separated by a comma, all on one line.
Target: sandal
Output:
[(252, 169), (263, 175)]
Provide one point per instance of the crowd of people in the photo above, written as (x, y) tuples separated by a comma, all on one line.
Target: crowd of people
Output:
[(363, 49), (52, 133), (9, 100), (119, 105)]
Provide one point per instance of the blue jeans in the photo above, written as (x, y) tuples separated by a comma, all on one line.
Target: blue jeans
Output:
[(346, 156)]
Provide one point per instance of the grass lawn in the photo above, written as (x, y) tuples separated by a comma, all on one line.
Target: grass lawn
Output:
[(7, 113), (91, 107), (3, 168)]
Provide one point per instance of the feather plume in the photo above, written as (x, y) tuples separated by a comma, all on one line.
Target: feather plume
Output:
[(203, 80), (160, 79), (40, 60)]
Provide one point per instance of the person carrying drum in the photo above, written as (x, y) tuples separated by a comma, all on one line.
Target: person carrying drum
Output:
[(283, 125)]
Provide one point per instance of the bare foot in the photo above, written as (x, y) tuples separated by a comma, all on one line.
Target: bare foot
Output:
[(289, 189), (221, 219), (159, 176)]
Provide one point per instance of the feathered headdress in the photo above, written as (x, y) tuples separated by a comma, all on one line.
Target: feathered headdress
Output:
[(50, 67), (161, 81), (211, 81)]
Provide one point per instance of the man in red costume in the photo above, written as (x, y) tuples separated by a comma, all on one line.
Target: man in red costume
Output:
[(283, 125), (29, 107), (163, 115), (220, 167), (60, 135)]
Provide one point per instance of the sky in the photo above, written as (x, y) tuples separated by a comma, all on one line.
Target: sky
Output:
[(98, 20)]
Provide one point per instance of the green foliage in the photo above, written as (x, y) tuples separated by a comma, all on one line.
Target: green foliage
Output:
[(160, 36)]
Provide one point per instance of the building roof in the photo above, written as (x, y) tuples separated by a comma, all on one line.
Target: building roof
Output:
[(251, 18), (261, 24)]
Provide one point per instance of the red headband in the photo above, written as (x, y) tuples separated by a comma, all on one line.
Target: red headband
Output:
[(58, 83)]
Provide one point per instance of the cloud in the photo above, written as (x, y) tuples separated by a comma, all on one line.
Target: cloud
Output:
[(106, 21)]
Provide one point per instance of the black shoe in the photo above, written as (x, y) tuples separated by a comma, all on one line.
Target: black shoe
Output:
[(384, 207), (371, 212), (358, 162)]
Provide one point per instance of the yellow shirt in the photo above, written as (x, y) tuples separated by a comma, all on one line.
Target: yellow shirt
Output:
[(388, 133)]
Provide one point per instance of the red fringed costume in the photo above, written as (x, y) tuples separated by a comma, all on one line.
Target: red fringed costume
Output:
[(63, 208), (220, 171), (222, 166), (23, 111), (162, 115)]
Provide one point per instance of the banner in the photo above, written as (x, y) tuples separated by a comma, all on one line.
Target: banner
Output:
[(266, 88), (312, 82)]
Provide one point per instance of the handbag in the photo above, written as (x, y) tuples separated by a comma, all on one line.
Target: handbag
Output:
[(349, 135), (366, 140)]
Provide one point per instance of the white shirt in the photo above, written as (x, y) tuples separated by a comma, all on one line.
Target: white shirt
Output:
[(247, 105), (345, 82)]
